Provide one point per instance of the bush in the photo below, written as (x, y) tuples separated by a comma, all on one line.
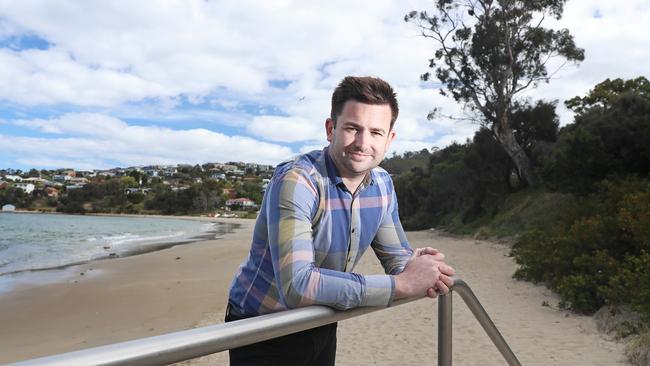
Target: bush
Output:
[(601, 256), (610, 137), (135, 197), (632, 284)]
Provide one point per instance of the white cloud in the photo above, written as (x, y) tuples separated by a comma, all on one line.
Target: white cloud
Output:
[(307, 148), (196, 46), (105, 141), (89, 124), (402, 146), (75, 163), (615, 47), (415, 104), (286, 129), (107, 53), (34, 77), (175, 62)]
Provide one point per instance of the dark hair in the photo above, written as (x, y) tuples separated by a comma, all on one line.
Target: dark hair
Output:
[(364, 89)]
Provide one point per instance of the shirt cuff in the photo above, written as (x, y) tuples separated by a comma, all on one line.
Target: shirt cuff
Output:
[(379, 292)]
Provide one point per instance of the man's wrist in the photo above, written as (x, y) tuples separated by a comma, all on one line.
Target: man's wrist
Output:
[(400, 292), (378, 290)]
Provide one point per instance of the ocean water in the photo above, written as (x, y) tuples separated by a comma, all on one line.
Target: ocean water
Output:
[(41, 241)]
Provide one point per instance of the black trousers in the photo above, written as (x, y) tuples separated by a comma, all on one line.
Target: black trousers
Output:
[(315, 346)]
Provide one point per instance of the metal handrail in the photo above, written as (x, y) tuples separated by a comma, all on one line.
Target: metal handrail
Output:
[(445, 324), (184, 345)]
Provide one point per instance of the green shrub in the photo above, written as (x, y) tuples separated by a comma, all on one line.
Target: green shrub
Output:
[(631, 285), (601, 256)]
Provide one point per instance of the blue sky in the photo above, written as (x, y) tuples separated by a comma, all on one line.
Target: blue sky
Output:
[(101, 84)]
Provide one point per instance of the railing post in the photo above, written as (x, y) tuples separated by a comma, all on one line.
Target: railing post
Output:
[(445, 329), (483, 318)]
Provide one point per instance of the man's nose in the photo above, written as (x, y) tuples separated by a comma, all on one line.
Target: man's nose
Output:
[(361, 138)]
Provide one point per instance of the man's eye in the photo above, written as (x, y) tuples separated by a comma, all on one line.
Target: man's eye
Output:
[(376, 133)]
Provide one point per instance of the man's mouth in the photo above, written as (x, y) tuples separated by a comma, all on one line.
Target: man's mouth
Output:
[(358, 154)]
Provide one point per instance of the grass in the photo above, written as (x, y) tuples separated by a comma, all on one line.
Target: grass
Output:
[(638, 350), (519, 212)]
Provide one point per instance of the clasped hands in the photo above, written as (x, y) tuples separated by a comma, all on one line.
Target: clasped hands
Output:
[(425, 273)]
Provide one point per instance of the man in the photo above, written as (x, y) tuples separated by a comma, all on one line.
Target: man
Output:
[(321, 211)]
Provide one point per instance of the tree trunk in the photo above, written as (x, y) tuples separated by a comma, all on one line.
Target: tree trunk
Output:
[(507, 139)]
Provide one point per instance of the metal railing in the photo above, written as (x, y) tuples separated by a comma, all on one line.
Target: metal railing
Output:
[(445, 324), (184, 345)]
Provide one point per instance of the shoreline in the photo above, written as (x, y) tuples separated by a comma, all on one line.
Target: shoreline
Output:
[(108, 301), (228, 225)]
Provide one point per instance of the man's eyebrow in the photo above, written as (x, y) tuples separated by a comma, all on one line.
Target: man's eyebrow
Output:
[(354, 124)]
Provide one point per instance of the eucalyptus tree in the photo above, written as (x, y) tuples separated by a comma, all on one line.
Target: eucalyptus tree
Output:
[(489, 51)]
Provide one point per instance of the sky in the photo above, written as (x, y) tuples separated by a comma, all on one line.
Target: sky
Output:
[(102, 84)]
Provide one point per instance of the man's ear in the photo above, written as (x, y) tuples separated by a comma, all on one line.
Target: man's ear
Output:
[(391, 137), (329, 128)]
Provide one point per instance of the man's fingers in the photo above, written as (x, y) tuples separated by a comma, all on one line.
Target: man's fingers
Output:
[(439, 256), (432, 293), (446, 280), (446, 270), (435, 253), (427, 250), (442, 287)]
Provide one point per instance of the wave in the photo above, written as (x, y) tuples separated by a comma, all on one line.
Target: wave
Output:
[(69, 240)]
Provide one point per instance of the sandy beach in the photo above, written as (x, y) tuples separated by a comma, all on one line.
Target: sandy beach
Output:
[(186, 286)]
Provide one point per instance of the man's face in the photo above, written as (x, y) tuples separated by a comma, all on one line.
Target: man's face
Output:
[(361, 137)]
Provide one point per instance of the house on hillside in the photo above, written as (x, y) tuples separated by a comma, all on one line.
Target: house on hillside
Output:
[(241, 203), (36, 181), (128, 191), (169, 171), (13, 178), (106, 173), (86, 173), (61, 178), (25, 187), (52, 192), (70, 187), (54, 184), (152, 171), (218, 176), (229, 168), (80, 181), (230, 192)]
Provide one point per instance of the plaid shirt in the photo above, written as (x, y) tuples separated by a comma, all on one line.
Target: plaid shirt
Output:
[(311, 232)]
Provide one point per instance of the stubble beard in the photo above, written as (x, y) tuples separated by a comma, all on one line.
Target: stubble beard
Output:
[(358, 164)]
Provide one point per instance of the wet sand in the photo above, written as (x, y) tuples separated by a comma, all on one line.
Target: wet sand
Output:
[(186, 286)]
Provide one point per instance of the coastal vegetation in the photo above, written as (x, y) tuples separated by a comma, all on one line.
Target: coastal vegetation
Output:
[(584, 230), (576, 200)]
